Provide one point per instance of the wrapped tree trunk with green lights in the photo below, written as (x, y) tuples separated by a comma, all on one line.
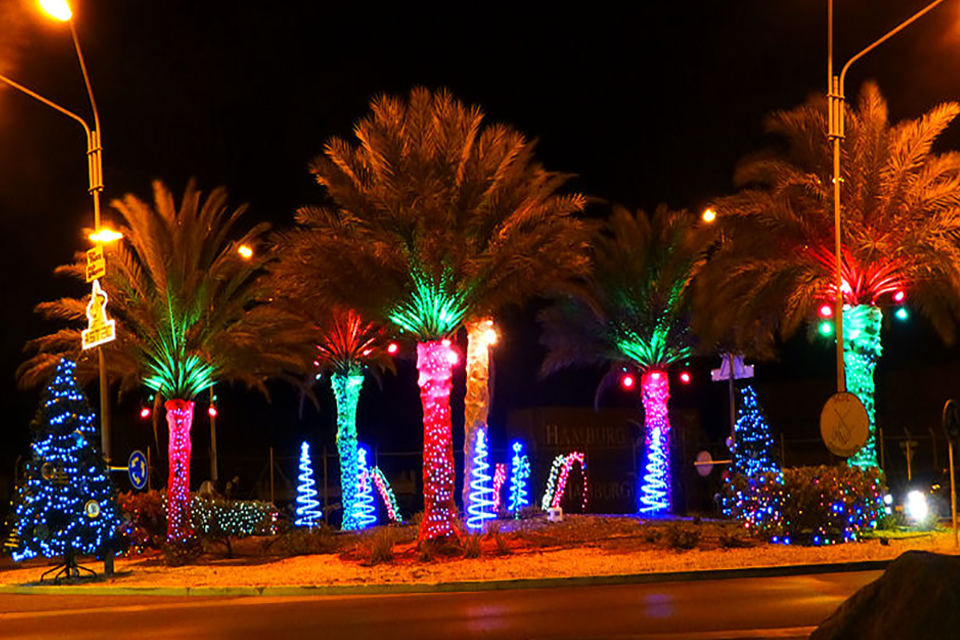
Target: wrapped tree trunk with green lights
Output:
[(346, 391), (861, 350)]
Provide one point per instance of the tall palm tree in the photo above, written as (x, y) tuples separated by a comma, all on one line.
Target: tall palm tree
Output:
[(189, 311), (435, 220), (632, 312), (901, 220)]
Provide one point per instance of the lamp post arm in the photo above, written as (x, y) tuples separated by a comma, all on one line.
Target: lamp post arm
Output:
[(86, 78), (903, 25), (49, 103)]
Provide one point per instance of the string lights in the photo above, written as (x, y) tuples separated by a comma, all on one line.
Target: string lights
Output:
[(519, 480), (655, 498), (481, 504), (557, 481), (481, 335), (346, 391), (754, 449), (308, 514), (66, 505), (386, 494), (435, 362), (499, 477), (179, 420), (861, 350), (366, 509)]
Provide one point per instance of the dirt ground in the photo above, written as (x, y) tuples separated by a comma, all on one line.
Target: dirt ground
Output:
[(582, 545)]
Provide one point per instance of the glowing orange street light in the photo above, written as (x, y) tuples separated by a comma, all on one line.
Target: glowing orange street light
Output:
[(245, 252), (105, 235), (58, 9), (709, 215)]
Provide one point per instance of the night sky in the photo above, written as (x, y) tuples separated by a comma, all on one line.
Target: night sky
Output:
[(651, 105)]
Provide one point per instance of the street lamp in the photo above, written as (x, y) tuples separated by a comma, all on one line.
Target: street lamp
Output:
[(60, 10), (835, 134)]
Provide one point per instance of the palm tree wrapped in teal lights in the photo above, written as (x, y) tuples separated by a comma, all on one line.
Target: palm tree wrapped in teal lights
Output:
[(434, 221), (189, 311), (631, 313), (900, 228)]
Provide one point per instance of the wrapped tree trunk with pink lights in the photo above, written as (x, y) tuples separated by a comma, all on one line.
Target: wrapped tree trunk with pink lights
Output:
[(179, 420), (655, 490), (435, 362)]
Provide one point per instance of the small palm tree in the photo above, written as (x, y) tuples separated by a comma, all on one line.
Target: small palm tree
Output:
[(632, 313), (189, 311), (901, 221), (436, 221)]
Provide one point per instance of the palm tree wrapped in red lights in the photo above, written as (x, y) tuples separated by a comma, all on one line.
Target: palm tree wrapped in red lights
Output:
[(435, 221), (632, 312), (901, 220), (189, 311)]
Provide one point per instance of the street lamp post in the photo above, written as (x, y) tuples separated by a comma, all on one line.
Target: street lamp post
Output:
[(835, 133), (61, 11)]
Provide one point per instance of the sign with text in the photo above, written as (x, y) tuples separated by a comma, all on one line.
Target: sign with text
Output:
[(100, 329), (96, 263)]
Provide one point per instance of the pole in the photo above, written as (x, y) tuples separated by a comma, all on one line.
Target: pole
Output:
[(149, 468), (733, 401), (213, 442), (953, 494), (272, 501)]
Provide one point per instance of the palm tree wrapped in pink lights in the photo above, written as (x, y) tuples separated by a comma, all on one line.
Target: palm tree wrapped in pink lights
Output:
[(630, 314)]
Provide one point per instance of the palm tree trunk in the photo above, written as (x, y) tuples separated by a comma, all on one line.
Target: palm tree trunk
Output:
[(655, 488), (861, 350), (435, 362), (476, 404), (346, 390), (179, 420)]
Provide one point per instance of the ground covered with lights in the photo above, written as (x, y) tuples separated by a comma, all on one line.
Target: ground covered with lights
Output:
[(582, 545)]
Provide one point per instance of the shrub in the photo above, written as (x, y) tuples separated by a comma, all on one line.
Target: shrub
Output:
[(681, 538), (493, 531), (380, 546), (298, 541), (807, 505), (471, 545), (145, 519)]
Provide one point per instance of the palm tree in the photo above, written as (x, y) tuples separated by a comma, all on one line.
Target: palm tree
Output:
[(632, 313), (901, 220), (189, 311), (436, 220)]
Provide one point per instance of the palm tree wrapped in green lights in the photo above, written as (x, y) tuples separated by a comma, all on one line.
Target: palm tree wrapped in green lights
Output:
[(189, 311), (901, 220), (436, 221), (632, 313)]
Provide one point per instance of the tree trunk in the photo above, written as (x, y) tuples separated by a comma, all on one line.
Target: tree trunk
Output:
[(346, 390), (435, 362), (655, 487), (476, 404), (179, 420), (861, 350)]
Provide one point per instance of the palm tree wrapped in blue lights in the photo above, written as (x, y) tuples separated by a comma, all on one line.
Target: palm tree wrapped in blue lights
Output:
[(632, 313)]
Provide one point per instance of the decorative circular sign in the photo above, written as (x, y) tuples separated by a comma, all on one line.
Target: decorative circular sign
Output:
[(951, 420), (137, 470), (704, 463), (92, 509), (844, 424), (47, 471)]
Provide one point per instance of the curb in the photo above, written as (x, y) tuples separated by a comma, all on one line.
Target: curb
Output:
[(450, 587)]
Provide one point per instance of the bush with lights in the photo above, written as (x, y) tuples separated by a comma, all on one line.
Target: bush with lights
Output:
[(65, 504), (808, 505)]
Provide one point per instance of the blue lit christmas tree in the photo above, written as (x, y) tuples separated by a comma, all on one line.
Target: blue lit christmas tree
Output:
[(65, 505), (366, 513), (519, 478), (754, 452), (308, 514), (481, 504)]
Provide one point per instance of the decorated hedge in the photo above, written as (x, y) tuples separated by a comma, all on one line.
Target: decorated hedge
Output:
[(806, 505)]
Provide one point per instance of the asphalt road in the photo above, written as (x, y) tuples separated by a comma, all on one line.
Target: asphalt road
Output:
[(711, 609)]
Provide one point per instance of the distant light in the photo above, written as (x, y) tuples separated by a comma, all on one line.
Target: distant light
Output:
[(888, 499), (392, 348), (902, 313), (212, 411), (916, 506), (709, 215), (899, 296), (627, 381), (145, 413), (58, 9), (685, 377), (245, 252), (490, 336), (106, 235), (826, 328), (826, 311)]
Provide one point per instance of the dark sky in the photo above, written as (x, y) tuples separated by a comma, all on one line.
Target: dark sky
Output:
[(648, 105)]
